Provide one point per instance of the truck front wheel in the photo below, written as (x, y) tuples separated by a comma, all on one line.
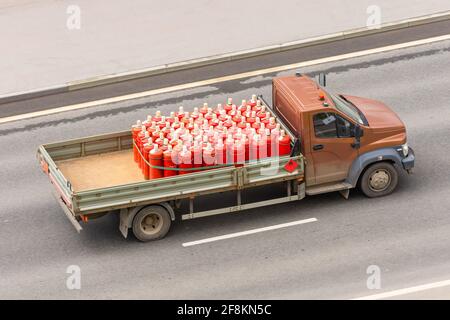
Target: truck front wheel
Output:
[(151, 223), (380, 179)]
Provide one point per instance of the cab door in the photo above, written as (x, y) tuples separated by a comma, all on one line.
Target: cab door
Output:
[(332, 138)]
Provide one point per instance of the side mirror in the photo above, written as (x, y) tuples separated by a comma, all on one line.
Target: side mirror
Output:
[(358, 132), (322, 79)]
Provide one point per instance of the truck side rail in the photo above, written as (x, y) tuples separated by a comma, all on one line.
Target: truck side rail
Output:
[(265, 171)]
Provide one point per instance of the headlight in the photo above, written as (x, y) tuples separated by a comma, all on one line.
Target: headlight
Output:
[(405, 149)]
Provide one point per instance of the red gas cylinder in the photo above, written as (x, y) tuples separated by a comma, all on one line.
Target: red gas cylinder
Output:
[(237, 135), (171, 118), (247, 112), (190, 124), (258, 108), (269, 142), (223, 116), (214, 121), (262, 147), (171, 134), (209, 115), (157, 117), (200, 119), (262, 113), (148, 122), (169, 163), (253, 147), (253, 101), (176, 123), (195, 114), (142, 139), (162, 123), (246, 142), (220, 126), (233, 111), (220, 152), (197, 154), (174, 140), (160, 140), (229, 145), (135, 130), (228, 123), (204, 109), (277, 130), (219, 109), (248, 129), (215, 138), (266, 120), (239, 152), (142, 142), (186, 118), (208, 155), (166, 129), (165, 145), (257, 124), (285, 143), (242, 124), (234, 128), (243, 106), (224, 134), (205, 125), (145, 152), (272, 124), (252, 117), (195, 130), (210, 132), (262, 128), (156, 133), (180, 113), (237, 118), (185, 159), (229, 106), (156, 159)]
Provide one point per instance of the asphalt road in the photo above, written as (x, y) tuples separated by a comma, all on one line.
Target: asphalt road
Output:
[(405, 234)]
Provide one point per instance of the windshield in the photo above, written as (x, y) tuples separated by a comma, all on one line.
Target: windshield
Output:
[(347, 108)]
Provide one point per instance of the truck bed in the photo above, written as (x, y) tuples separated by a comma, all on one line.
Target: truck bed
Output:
[(101, 170), (98, 174)]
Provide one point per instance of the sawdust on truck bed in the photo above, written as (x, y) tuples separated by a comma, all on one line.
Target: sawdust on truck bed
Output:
[(101, 170)]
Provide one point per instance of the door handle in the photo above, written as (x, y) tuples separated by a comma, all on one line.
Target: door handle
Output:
[(318, 147)]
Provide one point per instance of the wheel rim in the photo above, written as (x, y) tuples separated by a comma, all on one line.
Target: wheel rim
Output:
[(379, 180), (151, 223)]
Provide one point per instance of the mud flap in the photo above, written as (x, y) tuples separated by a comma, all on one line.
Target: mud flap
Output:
[(345, 193)]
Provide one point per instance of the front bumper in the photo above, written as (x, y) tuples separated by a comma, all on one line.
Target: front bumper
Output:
[(408, 162)]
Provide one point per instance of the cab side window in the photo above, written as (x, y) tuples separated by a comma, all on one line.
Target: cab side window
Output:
[(325, 125), (345, 128), (331, 125)]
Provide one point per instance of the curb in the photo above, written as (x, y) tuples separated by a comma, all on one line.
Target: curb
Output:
[(215, 59)]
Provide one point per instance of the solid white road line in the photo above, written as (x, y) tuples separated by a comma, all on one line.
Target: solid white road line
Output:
[(244, 233), (223, 79), (404, 291)]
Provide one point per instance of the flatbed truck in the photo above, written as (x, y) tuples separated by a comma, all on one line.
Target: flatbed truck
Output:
[(338, 141)]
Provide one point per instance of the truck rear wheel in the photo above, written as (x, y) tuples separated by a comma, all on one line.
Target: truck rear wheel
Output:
[(151, 223), (380, 179)]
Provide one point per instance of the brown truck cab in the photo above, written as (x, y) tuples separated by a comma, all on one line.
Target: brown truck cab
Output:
[(346, 140)]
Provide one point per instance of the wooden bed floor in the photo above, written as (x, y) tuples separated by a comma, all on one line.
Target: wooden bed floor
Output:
[(101, 170)]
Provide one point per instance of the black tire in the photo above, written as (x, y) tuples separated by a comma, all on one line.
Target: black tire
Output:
[(380, 179), (151, 223)]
